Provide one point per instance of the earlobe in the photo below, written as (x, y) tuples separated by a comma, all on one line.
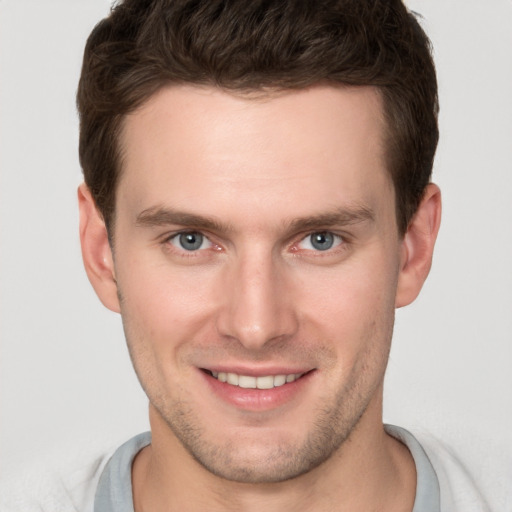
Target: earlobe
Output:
[(418, 246), (96, 250)]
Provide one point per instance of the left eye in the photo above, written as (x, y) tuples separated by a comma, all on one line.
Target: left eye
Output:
[(191, 241), (320, 241)]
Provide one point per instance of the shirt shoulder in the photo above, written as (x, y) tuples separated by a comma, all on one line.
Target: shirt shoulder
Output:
[(71, 487), (461, 488)]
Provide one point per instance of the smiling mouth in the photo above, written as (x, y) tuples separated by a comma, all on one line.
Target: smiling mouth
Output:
[(251, 382)]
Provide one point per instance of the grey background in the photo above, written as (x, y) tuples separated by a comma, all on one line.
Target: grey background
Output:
[(65, 376)]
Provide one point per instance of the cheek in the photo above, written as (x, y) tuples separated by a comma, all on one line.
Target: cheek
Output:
[(164, 305), (353, 305), (162, 312)]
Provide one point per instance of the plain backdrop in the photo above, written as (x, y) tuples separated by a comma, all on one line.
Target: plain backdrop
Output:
[(65, 376)]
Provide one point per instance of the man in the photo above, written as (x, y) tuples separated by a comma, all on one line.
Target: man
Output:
[(256, 205)]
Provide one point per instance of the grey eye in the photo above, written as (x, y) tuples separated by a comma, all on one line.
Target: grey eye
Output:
[(322, 241), (189, 241)]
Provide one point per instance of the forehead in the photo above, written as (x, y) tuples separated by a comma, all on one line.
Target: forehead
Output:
[(294, 149)]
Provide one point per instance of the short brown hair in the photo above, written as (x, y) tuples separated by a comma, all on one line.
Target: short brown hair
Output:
[(246, 45)]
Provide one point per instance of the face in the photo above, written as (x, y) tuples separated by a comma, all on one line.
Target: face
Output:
[(257, 259)]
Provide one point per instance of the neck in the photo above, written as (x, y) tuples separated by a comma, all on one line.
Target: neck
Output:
[(370, 471)]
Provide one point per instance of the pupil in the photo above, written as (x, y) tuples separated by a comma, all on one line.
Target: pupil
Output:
[(191, 241), (322, 241)]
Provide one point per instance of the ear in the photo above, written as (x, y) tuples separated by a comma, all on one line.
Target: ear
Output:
[(418, 246), (96, 251)]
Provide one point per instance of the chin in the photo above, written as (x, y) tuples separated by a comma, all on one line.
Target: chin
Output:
[(259, 464), (261, 456)]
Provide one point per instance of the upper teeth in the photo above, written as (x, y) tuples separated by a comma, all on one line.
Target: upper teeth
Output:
[(246, 381)]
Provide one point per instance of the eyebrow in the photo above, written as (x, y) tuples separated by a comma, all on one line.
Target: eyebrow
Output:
[(160, 216), (163, 216), (339, 217)]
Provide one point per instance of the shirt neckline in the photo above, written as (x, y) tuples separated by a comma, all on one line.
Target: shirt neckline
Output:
[(114, 491)]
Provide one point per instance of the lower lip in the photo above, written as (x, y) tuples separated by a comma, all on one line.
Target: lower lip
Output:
[(257, 399)]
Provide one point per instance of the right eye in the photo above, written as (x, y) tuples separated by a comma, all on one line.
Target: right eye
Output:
[(190, 241)]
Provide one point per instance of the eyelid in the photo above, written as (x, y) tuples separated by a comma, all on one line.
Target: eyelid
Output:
[(165, 237)]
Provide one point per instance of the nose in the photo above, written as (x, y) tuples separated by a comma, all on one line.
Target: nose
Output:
[(257, 307)]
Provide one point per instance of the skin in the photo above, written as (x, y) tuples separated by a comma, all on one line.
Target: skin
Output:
[(256, 177)]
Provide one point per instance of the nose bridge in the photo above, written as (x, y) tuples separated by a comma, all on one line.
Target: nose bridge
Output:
[(258, 307)]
